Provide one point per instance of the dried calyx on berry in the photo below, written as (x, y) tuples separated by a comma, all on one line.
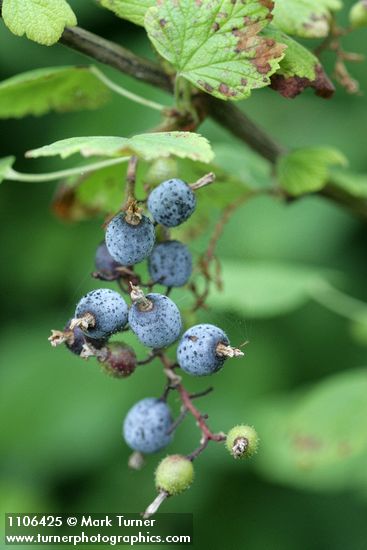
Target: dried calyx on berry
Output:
[(130, 236), (203, 350), (242, 441), (154, 318), (100, 313), (74, 339)]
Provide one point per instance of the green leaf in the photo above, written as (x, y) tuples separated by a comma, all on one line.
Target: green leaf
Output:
[(350, 182), (299, 69), (318, 439), (305, 18), (40, 21), (103, 190), (307, 170), (146, 146), (263, 289), (132, 10), (243, 164), (216, 45), (5, 164), (57, 89)]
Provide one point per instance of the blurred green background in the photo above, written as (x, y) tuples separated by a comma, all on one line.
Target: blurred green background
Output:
[(61, 443)]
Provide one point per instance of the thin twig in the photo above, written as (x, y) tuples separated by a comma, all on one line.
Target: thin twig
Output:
[(203, 445), (178, 421), (201, 393)]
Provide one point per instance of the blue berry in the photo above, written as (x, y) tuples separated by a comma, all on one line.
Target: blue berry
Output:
[(105, 264), (170, 264), (155, 320), (197, 352), (172, 202), (127, 243), (146, 425), (101, 313)]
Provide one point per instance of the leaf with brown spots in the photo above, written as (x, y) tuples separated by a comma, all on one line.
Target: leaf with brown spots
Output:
[(217, 45), (299, 69), (305, 18)]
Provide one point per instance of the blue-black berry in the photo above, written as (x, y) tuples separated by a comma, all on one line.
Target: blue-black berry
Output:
[(154, 318), (106, 266), (130, 243), (101, 313), (170, 264), (172, 202), (146, 425), (203, 350)]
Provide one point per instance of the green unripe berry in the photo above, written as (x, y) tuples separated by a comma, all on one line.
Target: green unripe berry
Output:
[(174, 474), (160, 170), (358, 14), (242, 441)]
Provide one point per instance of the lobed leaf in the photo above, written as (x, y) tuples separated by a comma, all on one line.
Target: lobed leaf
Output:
[(41, 21), (305, 18), (146, 146), (216, 45), (57, 89), (307, 170)]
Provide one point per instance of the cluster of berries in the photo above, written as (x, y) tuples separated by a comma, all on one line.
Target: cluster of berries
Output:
[(155, 320)]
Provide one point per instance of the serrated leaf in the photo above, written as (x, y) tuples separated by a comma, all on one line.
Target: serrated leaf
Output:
[(264, 289), (40, 21), (299, 69), (307, 170), (316, 440), (132, 10), (5, 164), (216, 45), (57, 89), (305, 18), (146, 146)]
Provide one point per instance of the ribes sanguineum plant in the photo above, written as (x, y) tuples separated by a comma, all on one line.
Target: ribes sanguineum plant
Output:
[(238, 47)]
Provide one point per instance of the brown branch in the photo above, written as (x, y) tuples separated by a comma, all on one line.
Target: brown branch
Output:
[(238, 124), (115, 56), (224, 112)]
